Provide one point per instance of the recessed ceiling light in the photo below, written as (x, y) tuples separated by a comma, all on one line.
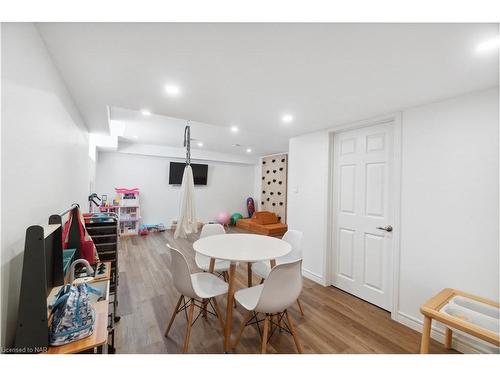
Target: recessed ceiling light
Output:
[(287, 119), (135, 136), (146, 112), (235, 129), (200, 144), (172, 90), (249, 150), (489, 44)]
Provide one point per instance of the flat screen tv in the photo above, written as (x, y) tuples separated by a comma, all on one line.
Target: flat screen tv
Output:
[(176, 171)]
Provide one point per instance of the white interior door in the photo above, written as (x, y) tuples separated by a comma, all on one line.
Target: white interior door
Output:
[(363, 172)]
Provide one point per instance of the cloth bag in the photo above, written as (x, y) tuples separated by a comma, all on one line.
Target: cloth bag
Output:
[(73, 316), (88, 250)]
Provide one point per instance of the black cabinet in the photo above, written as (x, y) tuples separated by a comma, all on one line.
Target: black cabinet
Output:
[(105, 234)]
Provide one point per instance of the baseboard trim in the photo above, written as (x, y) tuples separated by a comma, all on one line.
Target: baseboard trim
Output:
[(461, 341), (313, 276)]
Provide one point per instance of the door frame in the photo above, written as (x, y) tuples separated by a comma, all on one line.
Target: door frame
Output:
[(394, 118)]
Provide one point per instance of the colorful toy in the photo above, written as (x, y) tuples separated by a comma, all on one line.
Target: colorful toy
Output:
[(223, 218), (155, 227), (143, 231), (235, 217), (250, 206)]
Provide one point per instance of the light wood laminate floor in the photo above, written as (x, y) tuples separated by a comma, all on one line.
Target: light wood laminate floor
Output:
[(334, 321)]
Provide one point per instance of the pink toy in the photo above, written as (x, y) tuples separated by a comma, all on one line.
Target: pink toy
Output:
[(128, 197), (134, 191), (223, 218)]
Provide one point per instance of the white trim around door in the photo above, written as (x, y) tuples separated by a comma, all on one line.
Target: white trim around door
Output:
[(395, 119)]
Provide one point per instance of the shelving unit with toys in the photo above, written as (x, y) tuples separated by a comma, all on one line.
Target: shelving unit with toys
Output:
[(129, 220), (126, 206)]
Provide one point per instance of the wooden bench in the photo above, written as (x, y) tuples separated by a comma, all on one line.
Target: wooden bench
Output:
[(432, 309)]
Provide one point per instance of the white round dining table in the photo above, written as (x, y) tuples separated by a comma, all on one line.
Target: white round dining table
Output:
[(239, 248)]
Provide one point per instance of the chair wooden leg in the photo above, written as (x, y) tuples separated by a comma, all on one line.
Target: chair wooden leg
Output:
[(188, 328), (219, 315), (249, 274), (243, 324), (173, 315), (426, 335), (264, 335), (300, 307), (211, 265), (447, 338), (294, 333)]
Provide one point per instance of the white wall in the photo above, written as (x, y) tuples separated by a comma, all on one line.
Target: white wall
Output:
[(308, 196), (449, 200), (45, 163), (449, 229), (227, 189), (257, 185)]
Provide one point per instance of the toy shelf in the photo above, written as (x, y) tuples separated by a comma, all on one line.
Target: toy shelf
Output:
[(126, 206), (129, 220), (128, 217)]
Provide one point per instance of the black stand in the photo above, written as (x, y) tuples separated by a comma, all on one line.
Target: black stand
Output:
[(42, 269)]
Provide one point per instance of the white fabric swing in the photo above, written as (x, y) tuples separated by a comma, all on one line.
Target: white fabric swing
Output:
[(186, 223)]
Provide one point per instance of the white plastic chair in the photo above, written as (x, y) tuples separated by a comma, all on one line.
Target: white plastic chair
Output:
[(280, 289), (294, 238), (200, 290), (202, 261)]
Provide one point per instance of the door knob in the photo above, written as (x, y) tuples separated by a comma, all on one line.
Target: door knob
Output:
[(387, 228)]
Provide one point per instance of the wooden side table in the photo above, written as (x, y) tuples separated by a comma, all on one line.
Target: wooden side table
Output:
[(432, 310)]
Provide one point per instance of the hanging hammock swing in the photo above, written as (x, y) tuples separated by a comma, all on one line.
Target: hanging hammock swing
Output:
[(186, 223)]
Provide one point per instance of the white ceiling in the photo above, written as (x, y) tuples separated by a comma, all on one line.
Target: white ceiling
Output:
[(169, 131), (251, 74)]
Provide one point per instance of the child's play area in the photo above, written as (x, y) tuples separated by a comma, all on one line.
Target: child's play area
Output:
[(249, 194)]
